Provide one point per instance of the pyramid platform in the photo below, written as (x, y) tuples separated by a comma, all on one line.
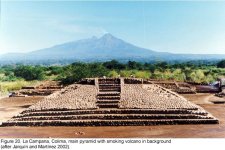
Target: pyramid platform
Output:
[(112, 102)]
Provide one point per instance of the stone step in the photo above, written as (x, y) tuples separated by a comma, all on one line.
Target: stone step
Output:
[(108, 87), (108, 105), (111, 85), (109, 94), (108, 111), (98, 122), (109, 90), (108, 82), (108, 101), (108, 97), (114, 116)]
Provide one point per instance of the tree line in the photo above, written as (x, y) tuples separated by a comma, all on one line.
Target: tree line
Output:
[(188, 71)]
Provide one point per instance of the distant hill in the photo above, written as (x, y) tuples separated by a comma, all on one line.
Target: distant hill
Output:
[(104, 48)]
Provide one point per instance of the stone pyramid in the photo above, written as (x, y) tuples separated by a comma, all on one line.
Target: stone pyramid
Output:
[(112, 102)]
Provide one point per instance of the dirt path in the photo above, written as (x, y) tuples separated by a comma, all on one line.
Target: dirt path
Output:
[(1, 96), (202, 98), (207, 99)]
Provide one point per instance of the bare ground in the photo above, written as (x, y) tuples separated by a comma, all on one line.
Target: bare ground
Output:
[(10, 107)]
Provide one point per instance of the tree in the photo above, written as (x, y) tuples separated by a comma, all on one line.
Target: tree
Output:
[(97, 70), (114, 64), (55, 70), (209, 79), (77, 71), (221, 64), (197, 76), (30, 72), (158, 75), (178, 75), (162, 65), (134, 65)]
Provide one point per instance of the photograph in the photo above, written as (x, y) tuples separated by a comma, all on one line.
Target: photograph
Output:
[(112, 69)]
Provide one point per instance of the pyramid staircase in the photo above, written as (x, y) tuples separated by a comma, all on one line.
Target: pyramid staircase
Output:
[(109, 93), (108, 113)]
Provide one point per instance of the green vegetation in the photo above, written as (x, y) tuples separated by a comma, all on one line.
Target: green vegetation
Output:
[(15, 85), (30, 72), (76, 71), (221, 64), (15, 76)]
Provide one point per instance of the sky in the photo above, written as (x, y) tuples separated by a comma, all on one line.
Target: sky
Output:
[(177, 27)]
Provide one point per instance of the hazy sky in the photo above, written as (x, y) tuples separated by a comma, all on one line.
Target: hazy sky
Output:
[(178, 27)]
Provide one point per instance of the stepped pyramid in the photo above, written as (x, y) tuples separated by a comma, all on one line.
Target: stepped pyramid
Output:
[(112, 102)]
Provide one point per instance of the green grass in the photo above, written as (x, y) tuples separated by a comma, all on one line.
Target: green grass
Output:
[(16, 85)]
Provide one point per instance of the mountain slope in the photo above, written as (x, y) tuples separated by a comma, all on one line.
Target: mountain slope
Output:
[(100, 49), (105, 47)]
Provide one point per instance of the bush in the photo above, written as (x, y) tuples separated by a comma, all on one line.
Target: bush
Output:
[(30, 72), (127, 73), (158, 75), (77, 71), (8, 76), (221, 64), (113, 74), (189, 71), (114, 65), (143, 74), (55, 70), (178, 75)]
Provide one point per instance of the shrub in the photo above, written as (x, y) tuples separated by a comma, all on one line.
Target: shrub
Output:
[(143, 74), (30, 72), (113, 74), (221, 64)]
